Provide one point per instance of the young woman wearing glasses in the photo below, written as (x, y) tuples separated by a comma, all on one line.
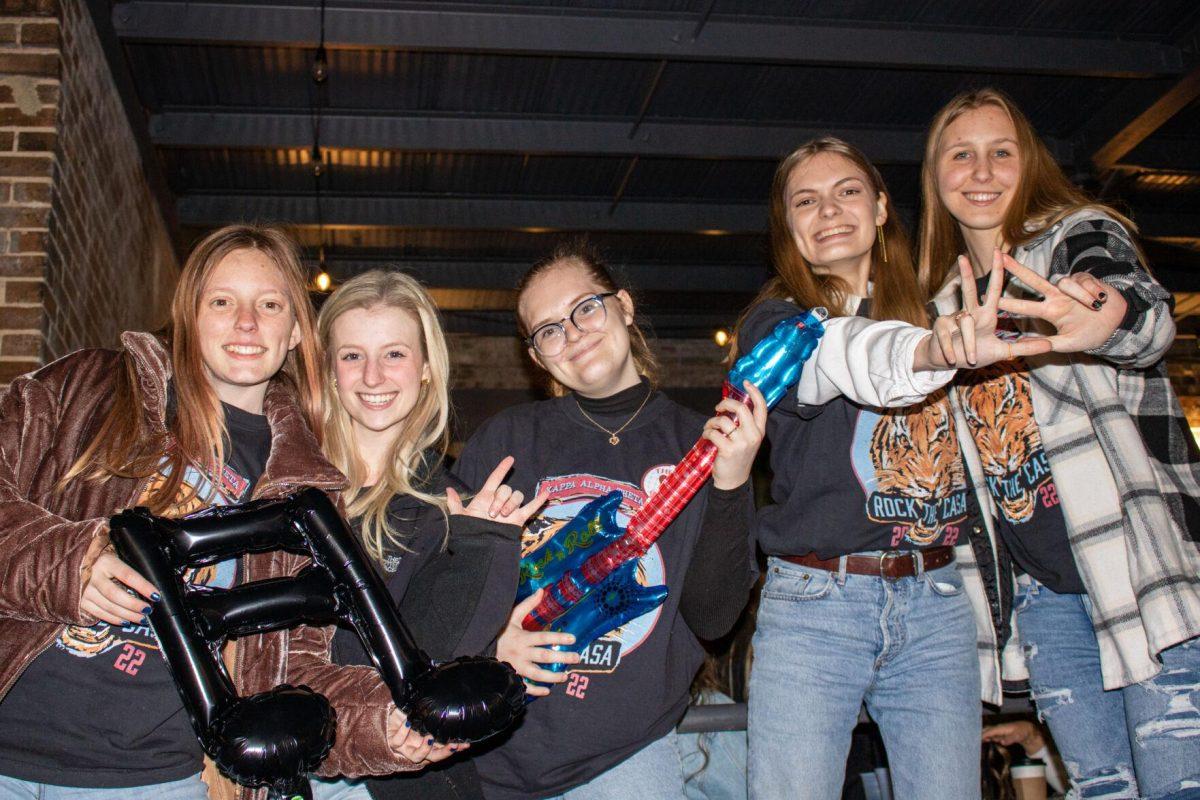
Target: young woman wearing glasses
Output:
[(606, 728)]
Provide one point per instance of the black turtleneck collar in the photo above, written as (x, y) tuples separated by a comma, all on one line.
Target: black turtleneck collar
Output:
[(625, 401)]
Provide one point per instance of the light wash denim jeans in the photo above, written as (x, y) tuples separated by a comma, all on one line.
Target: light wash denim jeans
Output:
[(338, 789), (714, 763), (826, 643), (653, 773), (1142, 741), (192, 788)]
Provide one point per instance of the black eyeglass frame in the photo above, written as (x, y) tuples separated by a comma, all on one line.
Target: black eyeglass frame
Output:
[(601, 296)]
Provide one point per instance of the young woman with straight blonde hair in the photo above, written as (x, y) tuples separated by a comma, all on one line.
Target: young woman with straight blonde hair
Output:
[(451, 570), (873, 592), (1093, 475)]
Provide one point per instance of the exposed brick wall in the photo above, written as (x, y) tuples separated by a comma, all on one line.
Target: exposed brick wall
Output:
[(84, 253)]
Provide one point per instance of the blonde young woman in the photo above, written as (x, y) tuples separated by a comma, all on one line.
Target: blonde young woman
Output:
[(214, 410), (452, 570), (864, 601), (1093, 476)]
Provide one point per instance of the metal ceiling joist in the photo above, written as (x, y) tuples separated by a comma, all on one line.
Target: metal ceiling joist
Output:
[(475, 134), (596, 33), (474, 213), (1167, 224), (477, 274), (1179, 97)]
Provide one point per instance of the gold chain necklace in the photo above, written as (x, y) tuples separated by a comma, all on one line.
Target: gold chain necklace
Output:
[(613, 438)]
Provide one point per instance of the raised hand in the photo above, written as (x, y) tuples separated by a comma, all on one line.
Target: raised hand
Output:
[(968, 339), (526, 650), (1084, 310), (737, 440), (497, 500)]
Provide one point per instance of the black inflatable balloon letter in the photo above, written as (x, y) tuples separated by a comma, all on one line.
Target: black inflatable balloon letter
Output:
[(274, 738)]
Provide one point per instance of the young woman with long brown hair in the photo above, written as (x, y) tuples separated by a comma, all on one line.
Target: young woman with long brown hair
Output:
[(863, 601), (604, 728), (1093, 474), (218, 408)]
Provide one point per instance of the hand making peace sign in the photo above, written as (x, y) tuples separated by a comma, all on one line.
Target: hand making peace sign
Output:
[(1082, 308), (968, 339)]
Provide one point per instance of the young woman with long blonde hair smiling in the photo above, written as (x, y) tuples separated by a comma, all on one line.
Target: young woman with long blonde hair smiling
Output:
[(864, 601), (451, 570), (1094, 475)]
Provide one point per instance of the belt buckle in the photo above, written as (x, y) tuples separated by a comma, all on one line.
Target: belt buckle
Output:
[(884, 560)]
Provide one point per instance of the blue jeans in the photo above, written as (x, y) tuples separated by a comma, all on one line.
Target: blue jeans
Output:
[(829, 641), (187, 789), (1142, 741), (653, 773), (338, 789), (714, 763)]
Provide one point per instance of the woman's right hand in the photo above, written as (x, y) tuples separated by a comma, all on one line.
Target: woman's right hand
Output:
[(106, 594), (967, 340), (525, 650), (408, 744), (497, 500)]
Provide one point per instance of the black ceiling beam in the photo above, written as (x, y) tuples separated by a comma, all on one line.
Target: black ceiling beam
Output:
[(1177, 98), (476, 134), (480, 274), (1172, 224), (494, 213), (586, 33)]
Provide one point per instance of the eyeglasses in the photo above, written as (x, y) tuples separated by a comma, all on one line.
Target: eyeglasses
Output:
[(587, 316)]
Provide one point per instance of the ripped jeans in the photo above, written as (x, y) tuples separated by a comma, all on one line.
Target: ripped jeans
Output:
[(1142, 741)]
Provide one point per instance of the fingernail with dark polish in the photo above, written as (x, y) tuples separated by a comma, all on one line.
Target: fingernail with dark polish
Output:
[(146, 611), (155, 596), (407, 724), (1096, 304), (1103, 295), (429, 741)]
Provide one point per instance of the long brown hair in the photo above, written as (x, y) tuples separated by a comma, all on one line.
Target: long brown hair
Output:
[(129, 445), (425, 428), (1043, 196), (896, 294), (581, 253)]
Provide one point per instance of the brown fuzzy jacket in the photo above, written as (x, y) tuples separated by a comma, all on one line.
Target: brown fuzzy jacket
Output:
[(47, 536)]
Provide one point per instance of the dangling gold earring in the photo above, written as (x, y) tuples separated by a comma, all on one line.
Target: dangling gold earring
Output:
[(882, 243)]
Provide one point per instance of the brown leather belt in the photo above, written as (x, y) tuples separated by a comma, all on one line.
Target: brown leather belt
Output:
[(892, 566)]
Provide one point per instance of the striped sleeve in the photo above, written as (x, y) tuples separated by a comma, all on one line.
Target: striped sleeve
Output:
[(1105, 250)]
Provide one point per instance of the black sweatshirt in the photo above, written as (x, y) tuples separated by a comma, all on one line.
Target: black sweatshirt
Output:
[(849, 478), (102, 693), (455, 598), (633, 685)]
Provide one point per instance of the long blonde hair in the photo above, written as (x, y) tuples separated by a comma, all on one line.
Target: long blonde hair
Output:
[(1043, 195), (581, 253), (129, 445), (407, 468), (896, 294)]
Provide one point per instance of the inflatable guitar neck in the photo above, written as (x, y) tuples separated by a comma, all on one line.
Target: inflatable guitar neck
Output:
[(588, 566)]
